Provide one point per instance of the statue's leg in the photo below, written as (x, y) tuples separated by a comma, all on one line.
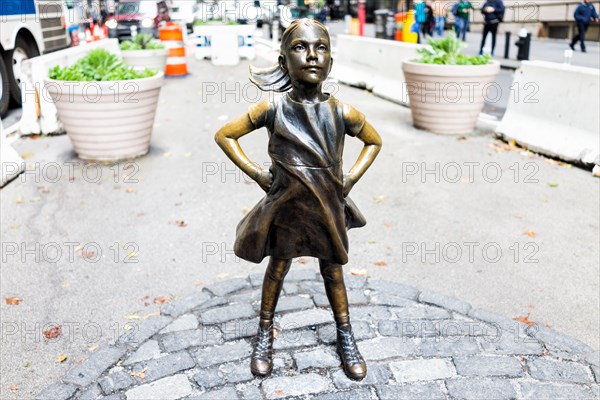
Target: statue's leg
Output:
[(352, 361), (261, 362)]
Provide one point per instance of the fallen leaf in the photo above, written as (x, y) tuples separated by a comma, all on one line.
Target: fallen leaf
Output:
[(93, 348), (14, 387), (279, 392), (167, 154), (53, 333), (276, 332), (197, 282), (43, 189), (529, 233), (130, 190), (13, 301), (154, 314), (27, 364), (15, 226), (388, 224), (128, 327), (378, 199), (87, 255), (117, 187), (62, 358), (596, 171), (26, 156), (20, 200), (181, 224), (461, 137), (302, 260), (245, 210), (141, 375), (371, 241), (223, 275), (525, 320), (35, 199), (161, 300), (66, 285), (380, 263), (358, 272), (553, 185)]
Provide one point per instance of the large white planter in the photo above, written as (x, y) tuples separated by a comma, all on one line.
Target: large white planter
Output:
[(109, 120), (448, 98), (142, 59)]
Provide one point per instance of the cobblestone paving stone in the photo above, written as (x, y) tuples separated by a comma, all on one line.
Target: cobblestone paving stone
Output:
[(418, 345)]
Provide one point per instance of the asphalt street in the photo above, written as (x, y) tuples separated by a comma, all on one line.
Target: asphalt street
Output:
[(93, 248)]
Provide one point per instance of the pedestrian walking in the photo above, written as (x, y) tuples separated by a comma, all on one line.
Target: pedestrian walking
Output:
[(439, 16), (424, 17), (493, 13), (584, 14), (306, 211), (461, 12)]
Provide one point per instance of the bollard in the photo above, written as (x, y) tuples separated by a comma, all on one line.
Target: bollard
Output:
[(523, 44), (507, 46)]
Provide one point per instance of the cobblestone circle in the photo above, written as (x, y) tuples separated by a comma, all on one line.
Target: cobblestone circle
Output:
[(418, 345)]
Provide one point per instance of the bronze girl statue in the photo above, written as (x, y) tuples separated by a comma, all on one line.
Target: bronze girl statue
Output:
[(306, 211)]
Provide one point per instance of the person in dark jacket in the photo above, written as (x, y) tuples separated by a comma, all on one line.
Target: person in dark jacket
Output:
[(493, 13), (584, 14)]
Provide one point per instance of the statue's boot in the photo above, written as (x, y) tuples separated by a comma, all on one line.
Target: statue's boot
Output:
[(261, 361), (354, 364)]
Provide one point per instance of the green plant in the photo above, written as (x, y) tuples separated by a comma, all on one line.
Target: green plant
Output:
[(142, 41), (98, 65), (448, 51)]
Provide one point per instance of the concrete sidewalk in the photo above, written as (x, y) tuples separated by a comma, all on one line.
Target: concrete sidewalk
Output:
[(469, 217), (418, 345)]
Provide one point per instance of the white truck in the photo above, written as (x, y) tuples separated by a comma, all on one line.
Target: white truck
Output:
[(28, 28)]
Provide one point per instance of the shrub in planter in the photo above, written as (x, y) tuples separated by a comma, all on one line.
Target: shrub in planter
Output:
[(446, 88), (106, 107), (144, 52)]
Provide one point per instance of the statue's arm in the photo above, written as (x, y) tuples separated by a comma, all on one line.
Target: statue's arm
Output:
[(372, 145), (227, 139)]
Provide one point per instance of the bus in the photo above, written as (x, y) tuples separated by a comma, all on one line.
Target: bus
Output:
[(28, 28)]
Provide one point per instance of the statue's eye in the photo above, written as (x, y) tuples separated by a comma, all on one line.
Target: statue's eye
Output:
[(299, 47), (322, 47)]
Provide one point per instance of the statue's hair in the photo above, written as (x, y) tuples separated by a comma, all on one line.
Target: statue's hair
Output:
[(274, 78)]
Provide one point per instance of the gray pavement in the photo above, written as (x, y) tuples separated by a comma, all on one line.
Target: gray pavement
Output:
[(416, 344), (512, 233)]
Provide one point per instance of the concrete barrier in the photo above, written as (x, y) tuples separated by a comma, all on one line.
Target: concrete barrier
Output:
[(553, 110), (11, 164), (373, 64), (39, 112)]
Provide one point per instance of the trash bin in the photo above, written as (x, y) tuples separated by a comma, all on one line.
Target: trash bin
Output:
[(523, 44), (380, 23)]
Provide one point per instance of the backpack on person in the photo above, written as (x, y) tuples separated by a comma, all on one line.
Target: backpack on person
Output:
[(421, 12)]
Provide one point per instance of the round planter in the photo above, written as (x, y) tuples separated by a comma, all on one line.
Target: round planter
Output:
[(447, 99), (109, 120), (141, 59)]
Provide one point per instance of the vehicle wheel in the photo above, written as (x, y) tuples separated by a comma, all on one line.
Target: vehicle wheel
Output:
[(4, 90), (14, 61)]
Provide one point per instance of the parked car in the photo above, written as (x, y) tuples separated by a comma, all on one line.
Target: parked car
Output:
[(139, 16)]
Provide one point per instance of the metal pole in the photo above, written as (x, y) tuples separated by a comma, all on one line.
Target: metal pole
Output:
[(507, 46)]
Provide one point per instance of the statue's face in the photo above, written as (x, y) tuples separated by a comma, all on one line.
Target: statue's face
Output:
[(307, 55)]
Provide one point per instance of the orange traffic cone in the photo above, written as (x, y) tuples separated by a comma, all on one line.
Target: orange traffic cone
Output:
[(88, 36), (172, 37)]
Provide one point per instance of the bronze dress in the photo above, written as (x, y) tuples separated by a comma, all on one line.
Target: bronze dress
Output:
[(304, 213)]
